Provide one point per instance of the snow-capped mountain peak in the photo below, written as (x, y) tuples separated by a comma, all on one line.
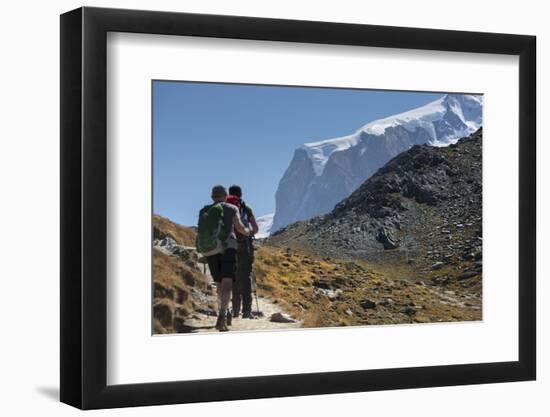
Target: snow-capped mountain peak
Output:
[(410, 120), (445, 120), (323, 173), (467, 108)]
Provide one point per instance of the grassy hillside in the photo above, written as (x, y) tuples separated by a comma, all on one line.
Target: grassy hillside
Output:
[(179, 286), (326, 291), (162, 227)]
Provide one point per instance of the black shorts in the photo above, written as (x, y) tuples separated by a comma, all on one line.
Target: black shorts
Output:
[(223, 265)]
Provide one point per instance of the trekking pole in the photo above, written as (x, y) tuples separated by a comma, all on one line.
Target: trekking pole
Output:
[(253, 276), (254, 288), (257, 306)]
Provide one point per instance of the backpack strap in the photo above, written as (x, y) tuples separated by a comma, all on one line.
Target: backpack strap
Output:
[(244, 213)]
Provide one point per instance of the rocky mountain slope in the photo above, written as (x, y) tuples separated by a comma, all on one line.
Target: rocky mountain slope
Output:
[(418, 216), (321, 174)]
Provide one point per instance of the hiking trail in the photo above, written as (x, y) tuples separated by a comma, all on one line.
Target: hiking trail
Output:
[(201, 323)]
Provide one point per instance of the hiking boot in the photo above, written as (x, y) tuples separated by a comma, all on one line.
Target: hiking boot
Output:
[(247, 315), (221, 324), (229, 318)]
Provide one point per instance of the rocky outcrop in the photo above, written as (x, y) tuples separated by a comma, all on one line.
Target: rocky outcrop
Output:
[(169, 246), (386, 239)]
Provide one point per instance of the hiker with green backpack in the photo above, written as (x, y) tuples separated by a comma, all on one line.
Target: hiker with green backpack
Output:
[(217, 241)]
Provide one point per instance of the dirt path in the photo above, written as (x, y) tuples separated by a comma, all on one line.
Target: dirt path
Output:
[(201, 323)]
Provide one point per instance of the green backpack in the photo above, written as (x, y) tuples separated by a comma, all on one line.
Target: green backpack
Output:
[(211, 234)]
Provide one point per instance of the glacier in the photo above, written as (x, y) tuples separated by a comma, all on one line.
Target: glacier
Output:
[(319, 152), (264, 225)]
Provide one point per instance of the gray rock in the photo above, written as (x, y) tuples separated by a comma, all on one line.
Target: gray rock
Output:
[(468, 274), (387, 302), (281, 318), (169, 246), (386, 239), (408, 310), (367, 304), (440, 281), (436, 266), (322, 283)]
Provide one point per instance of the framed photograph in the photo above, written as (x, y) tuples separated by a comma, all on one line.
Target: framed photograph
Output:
[(257, 208)]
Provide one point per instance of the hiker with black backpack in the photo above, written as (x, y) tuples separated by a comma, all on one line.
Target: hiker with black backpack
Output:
[(217, 241), (242, 289)]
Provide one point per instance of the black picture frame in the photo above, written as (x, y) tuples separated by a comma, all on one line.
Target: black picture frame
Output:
[(84, 207)]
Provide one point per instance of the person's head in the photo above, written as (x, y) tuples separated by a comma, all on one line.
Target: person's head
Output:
[(236, 190), (219, 193)]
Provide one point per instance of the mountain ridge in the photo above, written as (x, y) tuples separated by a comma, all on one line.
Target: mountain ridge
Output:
[(323, 173)]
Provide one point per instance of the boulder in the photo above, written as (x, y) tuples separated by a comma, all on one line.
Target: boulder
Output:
[(468, 274), (408, 310), (322, 283), (386, 239), (440, 281), (367, 304), (438, 265), (387, 302), (281, 318)]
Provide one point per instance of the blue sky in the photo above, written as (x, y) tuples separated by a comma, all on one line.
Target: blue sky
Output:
[(206, 134)]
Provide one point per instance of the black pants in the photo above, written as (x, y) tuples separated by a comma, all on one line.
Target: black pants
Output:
[(242, 286), (223, 265)]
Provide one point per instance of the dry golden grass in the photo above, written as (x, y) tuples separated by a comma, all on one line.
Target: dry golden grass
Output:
[(162, 227), (287, 275)]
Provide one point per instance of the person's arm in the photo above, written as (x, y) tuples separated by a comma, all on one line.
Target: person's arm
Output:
[(239, 226), (255, 227)]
